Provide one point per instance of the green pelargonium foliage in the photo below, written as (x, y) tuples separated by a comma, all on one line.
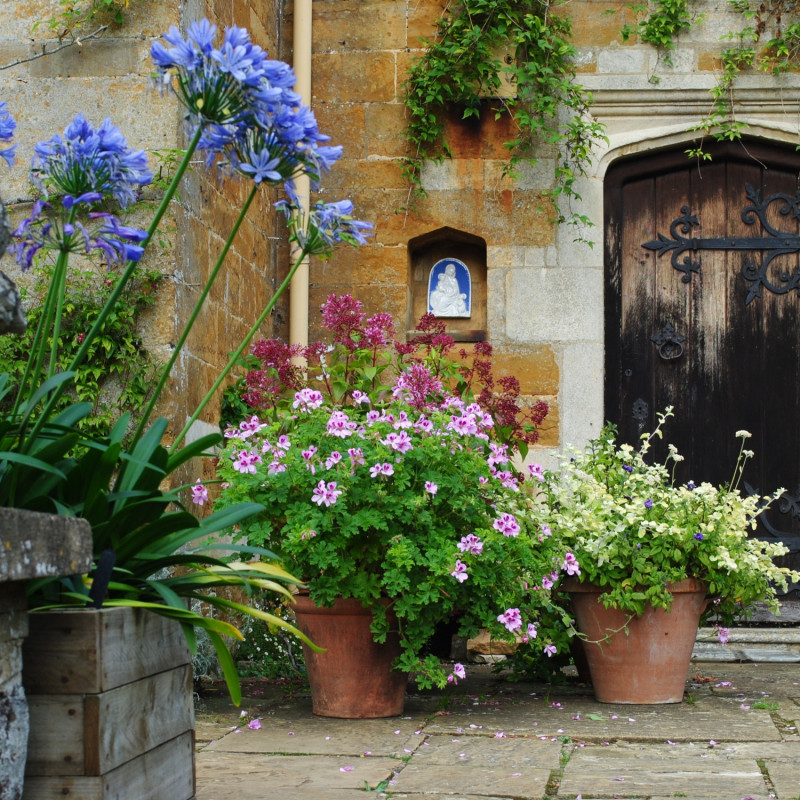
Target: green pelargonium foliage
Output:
[(402, 501), (633, 531)]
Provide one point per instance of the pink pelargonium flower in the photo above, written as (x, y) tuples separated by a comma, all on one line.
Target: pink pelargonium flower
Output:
[(381, 469), (339, 424), (423, 425), (254, 724), (570, 565), (326, 493), (431, 488), (537, 472), (464, 425), (333, 459), (399, 442), (499, 454), (306, 399), (511, 618), (402, 421), (532, 632), (459, 673), (471, 544), (356, 456), (250, 426), (199, 493), (550, 649), (507, 478), (246, 462), (460, 571), (507, 525)]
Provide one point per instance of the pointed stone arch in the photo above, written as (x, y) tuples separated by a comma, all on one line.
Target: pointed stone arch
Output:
[(426, 254)]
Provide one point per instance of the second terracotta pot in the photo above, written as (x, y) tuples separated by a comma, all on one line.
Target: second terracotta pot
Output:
[(649, 664), (353, 678)]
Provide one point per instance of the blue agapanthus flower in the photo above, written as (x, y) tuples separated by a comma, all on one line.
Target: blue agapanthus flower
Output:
[(88, 160), (7, 127), (327, 225), (251, 119), (46, 229)]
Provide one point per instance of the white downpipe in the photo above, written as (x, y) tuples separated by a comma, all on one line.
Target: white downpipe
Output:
[(298, 288)]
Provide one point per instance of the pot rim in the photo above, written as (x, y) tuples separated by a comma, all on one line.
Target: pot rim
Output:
[(576, 586)]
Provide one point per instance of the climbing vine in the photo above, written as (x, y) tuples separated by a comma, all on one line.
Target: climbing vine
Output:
[(462, 71), (768, 40), (658, 24), (75, 15)]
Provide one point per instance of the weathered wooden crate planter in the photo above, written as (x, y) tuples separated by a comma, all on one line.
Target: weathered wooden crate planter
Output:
[(110, 698)]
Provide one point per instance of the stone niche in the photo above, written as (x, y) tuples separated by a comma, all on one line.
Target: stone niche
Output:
[(448, 266)]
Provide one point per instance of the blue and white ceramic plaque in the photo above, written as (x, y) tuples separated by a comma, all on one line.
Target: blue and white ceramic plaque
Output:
[(450, 289)]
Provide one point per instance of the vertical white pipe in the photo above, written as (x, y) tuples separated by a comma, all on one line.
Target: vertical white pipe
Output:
[(299, 287)]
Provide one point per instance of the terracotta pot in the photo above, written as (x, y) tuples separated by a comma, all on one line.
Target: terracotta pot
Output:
[(648, 665), (353, 678)]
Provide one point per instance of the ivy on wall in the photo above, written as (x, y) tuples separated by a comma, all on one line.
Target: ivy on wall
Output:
[(462, 67), (767, 40)]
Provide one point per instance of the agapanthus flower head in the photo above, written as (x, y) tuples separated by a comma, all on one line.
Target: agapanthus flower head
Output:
[(44, 230), (7, 127), (87, 160), (214, 84), (327, 224), (244, 103)]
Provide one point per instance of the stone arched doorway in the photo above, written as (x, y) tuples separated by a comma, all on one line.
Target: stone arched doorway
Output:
[(711, 327)]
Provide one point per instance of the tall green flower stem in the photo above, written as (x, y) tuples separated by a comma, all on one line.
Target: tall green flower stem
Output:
[(165, 372), (305, 251), (110, 304), (49, 317)]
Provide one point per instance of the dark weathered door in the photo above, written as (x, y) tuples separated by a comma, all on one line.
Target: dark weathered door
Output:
[(693, 331)]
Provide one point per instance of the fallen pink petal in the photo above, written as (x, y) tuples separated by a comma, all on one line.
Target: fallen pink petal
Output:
[(345, 769)]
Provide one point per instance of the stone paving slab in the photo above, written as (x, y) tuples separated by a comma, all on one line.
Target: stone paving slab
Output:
[(636, 770), (225, 776), (582, 718), (785, 778), (512, 755), (484, 766), (317, 736), (419, 777), (446, 745)]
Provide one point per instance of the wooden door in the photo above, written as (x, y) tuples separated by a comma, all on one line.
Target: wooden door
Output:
[(699, 331)]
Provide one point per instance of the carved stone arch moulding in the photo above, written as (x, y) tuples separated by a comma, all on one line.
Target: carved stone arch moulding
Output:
[(447, 277)]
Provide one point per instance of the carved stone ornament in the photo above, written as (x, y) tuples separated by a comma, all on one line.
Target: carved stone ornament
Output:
[(450, 289)]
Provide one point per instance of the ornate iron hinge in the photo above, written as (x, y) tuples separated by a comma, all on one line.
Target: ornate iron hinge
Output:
[(777, 243)]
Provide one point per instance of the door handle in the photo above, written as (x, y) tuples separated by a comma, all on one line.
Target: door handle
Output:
[(669, 342)]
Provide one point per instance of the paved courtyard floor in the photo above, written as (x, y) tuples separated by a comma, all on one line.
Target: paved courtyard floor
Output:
[(734, 736)]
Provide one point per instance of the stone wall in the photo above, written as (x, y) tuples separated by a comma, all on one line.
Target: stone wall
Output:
[(544, 291), (545, 313), (108, 76)]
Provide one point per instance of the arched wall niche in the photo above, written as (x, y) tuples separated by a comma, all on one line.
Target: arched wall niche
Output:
[(444, 245)]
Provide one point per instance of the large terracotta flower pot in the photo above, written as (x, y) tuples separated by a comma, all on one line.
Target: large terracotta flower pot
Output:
[(649, 663), (353, 678)]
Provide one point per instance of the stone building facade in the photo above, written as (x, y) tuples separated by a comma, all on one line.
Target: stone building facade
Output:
[(543, 305)]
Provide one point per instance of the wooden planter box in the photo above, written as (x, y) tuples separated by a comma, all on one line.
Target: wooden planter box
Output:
[(111, 711)]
